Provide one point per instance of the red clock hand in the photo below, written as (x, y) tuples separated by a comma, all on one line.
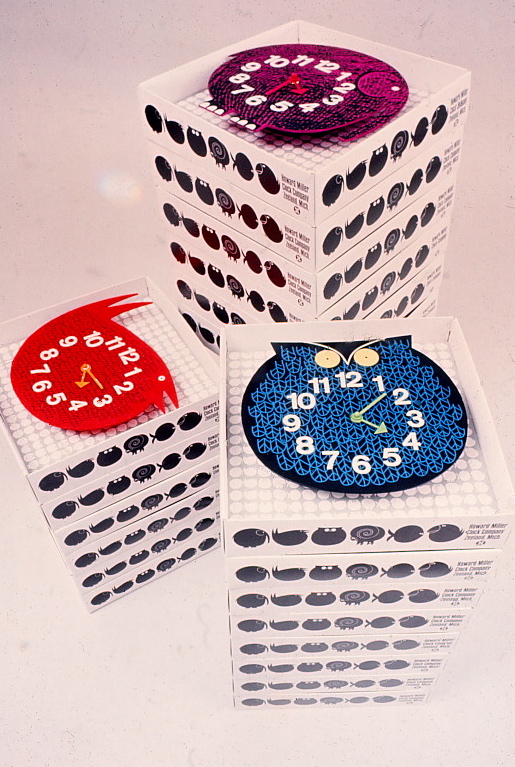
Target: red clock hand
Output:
[(293, 79)]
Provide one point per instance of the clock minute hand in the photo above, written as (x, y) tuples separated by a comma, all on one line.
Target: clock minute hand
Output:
[(358, 416), (371, 404), (293, 79), (86, 369)]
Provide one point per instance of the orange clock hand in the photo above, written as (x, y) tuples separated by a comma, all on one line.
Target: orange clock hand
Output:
[(87, 369)]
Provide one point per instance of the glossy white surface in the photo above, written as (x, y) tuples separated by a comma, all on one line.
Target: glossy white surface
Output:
[(146, 681)]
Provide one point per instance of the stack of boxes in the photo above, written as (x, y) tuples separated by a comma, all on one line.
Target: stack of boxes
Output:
[(268, 228), (352, 599), (131, 503)]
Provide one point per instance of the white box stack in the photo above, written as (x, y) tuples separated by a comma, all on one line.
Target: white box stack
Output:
[(351, 599), (127, 504), (262, 227)]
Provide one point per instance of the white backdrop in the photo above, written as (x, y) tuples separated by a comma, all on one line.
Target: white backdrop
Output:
[(146, 680)]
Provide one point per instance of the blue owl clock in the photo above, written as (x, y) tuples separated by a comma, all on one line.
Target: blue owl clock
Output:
[(359, 417)]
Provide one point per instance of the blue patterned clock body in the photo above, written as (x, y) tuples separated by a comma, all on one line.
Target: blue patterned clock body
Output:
[(354, 417)]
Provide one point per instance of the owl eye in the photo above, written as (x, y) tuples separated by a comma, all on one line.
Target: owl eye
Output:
[(366, 357), (327, 358)]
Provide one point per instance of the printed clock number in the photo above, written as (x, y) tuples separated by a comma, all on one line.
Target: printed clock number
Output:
[(416, 419), (305, 445), (244, 88), (239, 77), (125, 386), (333, 455), (291, 423), (102, 401), (401, 397), (255, 101), (55, 399), (305, 401), (350, 379), (48, 354), (411, 440), (40, 386), (281, 106), (68, 341), (310, 107)]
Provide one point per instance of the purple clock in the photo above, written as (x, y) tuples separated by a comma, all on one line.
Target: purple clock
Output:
[(303, 88)]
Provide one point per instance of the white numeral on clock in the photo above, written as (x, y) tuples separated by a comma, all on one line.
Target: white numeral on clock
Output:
[(243, 89), (281, 106), (40, 386), (344, 88), (251, 66), (316, 383), (255, 101), (305, 445), (416, 419), (309, 107), (76, 404), (125, 386), (327, 66), (291, 423), (55, 399), (333, 455), (102, 402), (411, 441), (350, 380), (361, 464), (240, 77), (391, 456), (304, 401), (333, 98), (68, 341), (302, 60), (44, 369), (401, 397)]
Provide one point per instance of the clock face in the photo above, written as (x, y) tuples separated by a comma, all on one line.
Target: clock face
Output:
[(304, 88), (360, 417), (82, 371)]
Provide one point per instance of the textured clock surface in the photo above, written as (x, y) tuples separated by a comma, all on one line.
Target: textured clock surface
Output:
[(303, 88), (354, 418), (40, 444), (83, 371), (255, 490)]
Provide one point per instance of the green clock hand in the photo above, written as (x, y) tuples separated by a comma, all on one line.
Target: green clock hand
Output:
[(358, 416), (371, 404), (378, 428)]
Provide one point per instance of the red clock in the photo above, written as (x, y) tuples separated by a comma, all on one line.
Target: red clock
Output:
[(82, 371), (304, 88)]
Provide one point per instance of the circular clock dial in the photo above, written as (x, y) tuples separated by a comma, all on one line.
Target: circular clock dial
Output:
[(361, 417), (82, 371), (304, 88)]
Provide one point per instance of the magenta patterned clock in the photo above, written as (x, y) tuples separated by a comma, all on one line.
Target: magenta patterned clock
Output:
[(305, 88)]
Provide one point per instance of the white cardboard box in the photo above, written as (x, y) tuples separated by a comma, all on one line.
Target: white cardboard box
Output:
[(301, 169), (311, 247), (472, 503), (96, 477)]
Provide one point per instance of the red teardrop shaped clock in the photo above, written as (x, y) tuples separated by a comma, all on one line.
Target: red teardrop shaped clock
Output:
[(82, 371)]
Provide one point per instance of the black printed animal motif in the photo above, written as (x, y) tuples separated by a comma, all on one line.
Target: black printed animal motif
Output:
[(332, 190), (196, 142)]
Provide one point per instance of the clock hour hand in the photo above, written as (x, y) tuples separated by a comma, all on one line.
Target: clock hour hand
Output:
[(357, 417), (293, 79), (86, 370)]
